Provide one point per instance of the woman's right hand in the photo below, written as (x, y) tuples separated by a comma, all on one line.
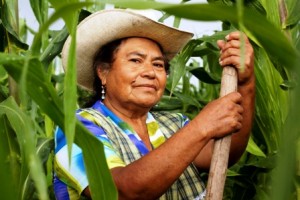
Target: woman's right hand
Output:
[(221, 116)]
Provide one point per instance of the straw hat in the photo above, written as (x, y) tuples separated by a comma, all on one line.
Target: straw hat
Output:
[(105, 26)]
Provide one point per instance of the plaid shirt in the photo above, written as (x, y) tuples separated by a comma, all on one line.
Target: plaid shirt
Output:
[(120, 150)]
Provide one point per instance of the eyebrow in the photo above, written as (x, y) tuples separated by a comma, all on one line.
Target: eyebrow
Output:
[(144, 55)]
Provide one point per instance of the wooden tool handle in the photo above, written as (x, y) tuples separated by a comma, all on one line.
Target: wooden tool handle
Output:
[(219, 162)]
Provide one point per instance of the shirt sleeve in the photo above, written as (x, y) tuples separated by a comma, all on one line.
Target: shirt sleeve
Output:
[(73, 173)]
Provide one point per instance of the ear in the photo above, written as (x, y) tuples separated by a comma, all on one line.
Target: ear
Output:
[(102, 74)]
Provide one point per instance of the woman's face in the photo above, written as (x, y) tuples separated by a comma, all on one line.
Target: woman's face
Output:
[(137, 76)]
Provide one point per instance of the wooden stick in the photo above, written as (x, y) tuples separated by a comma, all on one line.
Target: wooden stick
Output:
[(219, 162)]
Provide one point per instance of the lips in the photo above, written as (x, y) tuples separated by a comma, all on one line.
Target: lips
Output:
[(147, 86)]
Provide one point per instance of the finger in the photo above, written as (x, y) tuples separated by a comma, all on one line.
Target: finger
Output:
[(238, 127), (235, 97), (235, 125), (233, 57), (238, 118), (232, 44), (236, 35), (234, 40), (237, 112), (240, 109), (231, 60), (230, 52), (235, 60), (221, 44), (237, 44)]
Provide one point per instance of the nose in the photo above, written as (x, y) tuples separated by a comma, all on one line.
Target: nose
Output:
[(148, 70)]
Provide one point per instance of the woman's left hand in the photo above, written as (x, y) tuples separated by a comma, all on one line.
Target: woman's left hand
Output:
[(232, 55)]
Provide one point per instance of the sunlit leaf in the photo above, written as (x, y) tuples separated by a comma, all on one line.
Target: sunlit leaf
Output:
[(38, 8), (43, 150), (179, 62), (21, 125), (8, 21), (286, 85), (168, 103), (70, 91), (270, 37), (276, 74), (293, 7), (43, 93), (58, 38), (232, 173), (254, 149), (9, 160), (187, 100)]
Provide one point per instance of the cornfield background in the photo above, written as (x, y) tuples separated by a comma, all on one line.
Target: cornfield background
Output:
[(34, 98)]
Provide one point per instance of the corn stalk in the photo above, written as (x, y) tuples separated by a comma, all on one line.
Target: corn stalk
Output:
[(276, 59)]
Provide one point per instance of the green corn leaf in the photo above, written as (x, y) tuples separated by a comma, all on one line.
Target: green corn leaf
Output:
[(218, 35), (254, 149), (21, 125), (58, 39), (9, 23), (49, 126), (288, 85), (265, 32), (293, 14), (168, 103), (285, 171), (241, 26), (201, 51), (4, 93), (187, 100), (179, 63), (8, 17), (43, 149), (204, 76), (268, 36), (38, 8), (70, 92), (42, 92), (38, 85), (54, 47), (268, 163), (271, 109), (9, 160), (67, 11), (232, 173)]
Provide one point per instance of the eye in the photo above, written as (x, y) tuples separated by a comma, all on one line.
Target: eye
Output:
[(159, 64), (135, 60)]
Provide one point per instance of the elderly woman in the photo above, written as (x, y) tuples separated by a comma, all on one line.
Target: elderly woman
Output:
[(123, 57)]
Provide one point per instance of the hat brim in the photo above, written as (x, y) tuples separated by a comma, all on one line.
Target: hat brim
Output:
[(105, 26)]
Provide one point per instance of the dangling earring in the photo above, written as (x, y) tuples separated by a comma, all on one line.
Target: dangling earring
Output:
[(102, 92)]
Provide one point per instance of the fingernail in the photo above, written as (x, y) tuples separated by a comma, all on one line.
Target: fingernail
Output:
[(227, 37)]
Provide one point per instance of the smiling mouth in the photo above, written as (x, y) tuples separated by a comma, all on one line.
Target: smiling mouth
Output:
[(147, 86)]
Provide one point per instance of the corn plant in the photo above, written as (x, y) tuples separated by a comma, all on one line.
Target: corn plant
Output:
[(33, 99)]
